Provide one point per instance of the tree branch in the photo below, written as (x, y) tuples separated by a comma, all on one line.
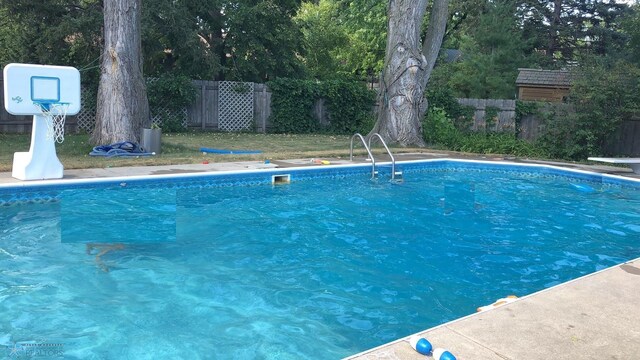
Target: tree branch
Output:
[(435, 33)]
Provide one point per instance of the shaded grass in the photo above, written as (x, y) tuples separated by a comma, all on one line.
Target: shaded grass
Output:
[(184, 148)]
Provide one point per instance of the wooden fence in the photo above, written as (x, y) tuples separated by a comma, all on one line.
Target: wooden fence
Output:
[(626, 140), (203, 113), (505, 120)]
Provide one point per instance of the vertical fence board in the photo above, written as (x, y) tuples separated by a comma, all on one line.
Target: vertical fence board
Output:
[(506, 114)]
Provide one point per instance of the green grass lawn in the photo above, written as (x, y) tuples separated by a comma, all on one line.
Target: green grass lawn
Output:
[(183, 148)]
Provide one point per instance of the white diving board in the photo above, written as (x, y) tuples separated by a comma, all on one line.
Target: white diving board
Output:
[(634, 163)]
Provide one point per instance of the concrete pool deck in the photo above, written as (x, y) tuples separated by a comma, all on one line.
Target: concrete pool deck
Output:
[(593, 317)]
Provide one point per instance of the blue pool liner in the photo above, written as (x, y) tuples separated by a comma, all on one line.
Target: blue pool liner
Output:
[(125, 148), (224, 151)]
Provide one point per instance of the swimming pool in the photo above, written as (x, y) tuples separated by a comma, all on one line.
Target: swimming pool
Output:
[(331, 264)]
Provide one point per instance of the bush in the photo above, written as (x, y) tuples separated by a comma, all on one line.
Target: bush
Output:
[(444, 98), (349, 105), (291, 106), (171, 93), (439, 130)]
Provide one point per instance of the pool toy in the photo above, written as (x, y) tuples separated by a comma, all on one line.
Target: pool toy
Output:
[(224, 151), (443, 354), (497, 303), (321, 162), (421, 345)]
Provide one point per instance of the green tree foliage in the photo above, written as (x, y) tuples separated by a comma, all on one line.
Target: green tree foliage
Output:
[(61, 32), (492, 51), (344, 38), (325, 39), (248, 40), (562, 29), (173, 41), (261, 41), (631, 27), (366, 23)]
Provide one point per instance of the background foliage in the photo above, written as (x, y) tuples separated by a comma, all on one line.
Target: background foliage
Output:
[(350, 106), (604, 93), (172, 92)]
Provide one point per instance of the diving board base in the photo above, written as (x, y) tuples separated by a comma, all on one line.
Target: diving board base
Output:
[(634, 163)]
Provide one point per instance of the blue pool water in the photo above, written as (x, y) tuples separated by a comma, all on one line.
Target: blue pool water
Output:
[(318, 269)]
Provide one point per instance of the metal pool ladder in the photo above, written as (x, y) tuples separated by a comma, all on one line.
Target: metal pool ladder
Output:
[(367, 146)]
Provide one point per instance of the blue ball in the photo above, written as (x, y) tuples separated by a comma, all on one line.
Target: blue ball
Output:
[(424, 347), (447, 356)]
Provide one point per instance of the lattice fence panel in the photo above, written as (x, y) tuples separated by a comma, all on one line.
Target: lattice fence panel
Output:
[(235, 105), (87, 116)]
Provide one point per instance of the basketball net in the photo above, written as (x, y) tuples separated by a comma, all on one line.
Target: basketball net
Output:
[(55, 115)]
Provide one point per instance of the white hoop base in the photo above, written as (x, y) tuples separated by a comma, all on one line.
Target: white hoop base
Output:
[(41, 162)]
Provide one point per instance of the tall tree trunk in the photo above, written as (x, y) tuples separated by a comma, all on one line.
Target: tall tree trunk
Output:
[(407, 67), (554, 29), (123, 107)]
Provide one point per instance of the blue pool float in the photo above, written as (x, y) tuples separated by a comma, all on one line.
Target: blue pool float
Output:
[(421, 345), (442, 354), (223, 151)]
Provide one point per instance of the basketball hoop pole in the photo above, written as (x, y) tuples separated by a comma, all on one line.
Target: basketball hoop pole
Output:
[(41, 162)]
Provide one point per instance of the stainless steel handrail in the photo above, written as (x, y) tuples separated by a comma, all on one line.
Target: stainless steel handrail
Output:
[(393, 160), (364, 143)]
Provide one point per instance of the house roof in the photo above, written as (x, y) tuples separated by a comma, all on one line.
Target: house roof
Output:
[(544, 77)]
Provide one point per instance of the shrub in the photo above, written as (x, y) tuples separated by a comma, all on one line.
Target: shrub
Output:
[(439, 130), (444, 98), (171, 93), (349, 105), (291, 104)]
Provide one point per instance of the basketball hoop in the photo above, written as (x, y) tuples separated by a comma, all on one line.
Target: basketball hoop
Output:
[(55, 115), (48, 93)]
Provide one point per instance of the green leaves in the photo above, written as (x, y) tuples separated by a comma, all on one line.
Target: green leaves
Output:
[(440, 131), (343, 38), (349, 106)]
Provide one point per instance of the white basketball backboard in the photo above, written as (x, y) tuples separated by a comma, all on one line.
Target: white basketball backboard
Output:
[(27, 84)]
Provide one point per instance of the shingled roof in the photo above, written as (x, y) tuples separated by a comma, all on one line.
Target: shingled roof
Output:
[(561, 78)]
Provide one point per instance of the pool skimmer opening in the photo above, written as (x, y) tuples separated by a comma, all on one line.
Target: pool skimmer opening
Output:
[(281, 179)]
